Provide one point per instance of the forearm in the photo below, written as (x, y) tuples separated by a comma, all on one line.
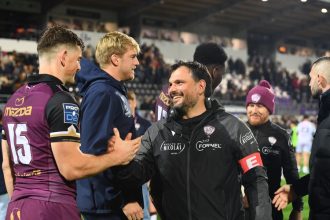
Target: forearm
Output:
[(130, 176), (300, 187), (9, 180), (7, 169), (73, 164), (89, 165), (256, 188)]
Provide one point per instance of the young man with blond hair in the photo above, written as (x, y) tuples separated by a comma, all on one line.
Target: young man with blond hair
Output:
[(104, 107)]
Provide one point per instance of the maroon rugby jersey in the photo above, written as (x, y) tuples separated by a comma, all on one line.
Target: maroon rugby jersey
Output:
[(37, 114), (162, 104)]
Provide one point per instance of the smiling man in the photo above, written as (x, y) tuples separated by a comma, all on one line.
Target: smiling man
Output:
[(197, 154), (274, 143)]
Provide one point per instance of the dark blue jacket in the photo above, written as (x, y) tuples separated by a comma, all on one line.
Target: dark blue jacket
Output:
[(104, 106), (141, 125)]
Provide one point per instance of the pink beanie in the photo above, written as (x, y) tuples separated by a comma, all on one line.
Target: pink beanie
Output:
[(262, 94)]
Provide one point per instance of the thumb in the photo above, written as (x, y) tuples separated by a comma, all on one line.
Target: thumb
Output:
[(279, 190), (128, 136), (117, 135)]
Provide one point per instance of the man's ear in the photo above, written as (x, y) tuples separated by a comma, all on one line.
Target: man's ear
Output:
[(321, 81), (62, 55), (114, 58), (202, 87)]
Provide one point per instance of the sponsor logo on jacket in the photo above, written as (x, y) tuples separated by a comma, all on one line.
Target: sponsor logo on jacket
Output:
[(245, 138), (172, 147), (204, 144), (269, 150)]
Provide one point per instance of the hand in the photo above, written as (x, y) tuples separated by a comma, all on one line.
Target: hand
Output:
[(133, 211), (152, 208), (124, 150), (282, 196), (112, 141), (245, 202)]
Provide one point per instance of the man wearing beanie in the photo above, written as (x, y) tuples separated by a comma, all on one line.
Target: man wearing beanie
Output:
[(213, 57), (274, 144)]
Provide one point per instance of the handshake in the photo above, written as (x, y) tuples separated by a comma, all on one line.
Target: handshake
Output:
[(122, 151)]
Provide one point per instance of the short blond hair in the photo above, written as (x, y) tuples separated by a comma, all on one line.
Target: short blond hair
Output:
[(114, 43)]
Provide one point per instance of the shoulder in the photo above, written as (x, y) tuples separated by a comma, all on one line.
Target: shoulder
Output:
[(101, 86), (61, 97), (280, 131), (102, 91), (228, 119)]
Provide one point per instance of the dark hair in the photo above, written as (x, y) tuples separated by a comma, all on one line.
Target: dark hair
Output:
[(210, 53), (320, 59), (55, 36), (199, 72)]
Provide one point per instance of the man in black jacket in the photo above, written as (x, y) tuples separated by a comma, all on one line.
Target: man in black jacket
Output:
[(197, 155), (274, 142), (317, 183)]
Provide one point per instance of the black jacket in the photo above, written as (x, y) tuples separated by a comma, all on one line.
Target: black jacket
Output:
[(317, 183), (319, 178), (197, 165), (277, 153)]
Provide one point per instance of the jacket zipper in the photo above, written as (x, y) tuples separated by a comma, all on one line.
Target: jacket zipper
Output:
[(188, 164), (188, 183)]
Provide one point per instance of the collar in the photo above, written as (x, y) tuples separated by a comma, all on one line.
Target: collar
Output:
[(324, 104), (45, 78), (264, 125)]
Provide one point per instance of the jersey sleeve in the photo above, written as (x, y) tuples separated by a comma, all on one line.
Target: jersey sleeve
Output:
[(162, 104), (62, 113), (254, 177), (290, 170)]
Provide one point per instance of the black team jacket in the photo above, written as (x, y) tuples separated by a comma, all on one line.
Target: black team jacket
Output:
[(197, 163)]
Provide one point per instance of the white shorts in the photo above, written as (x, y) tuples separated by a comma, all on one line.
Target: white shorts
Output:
[(304, 147)]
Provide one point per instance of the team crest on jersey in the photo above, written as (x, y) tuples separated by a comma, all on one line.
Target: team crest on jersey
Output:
[(19, 101), (272, 140), (255, 98), (208, 130), (71, 113)]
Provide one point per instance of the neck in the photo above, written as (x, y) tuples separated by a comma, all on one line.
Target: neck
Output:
[(112, 71), (326, 88), (195, 111), (51, 69)]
